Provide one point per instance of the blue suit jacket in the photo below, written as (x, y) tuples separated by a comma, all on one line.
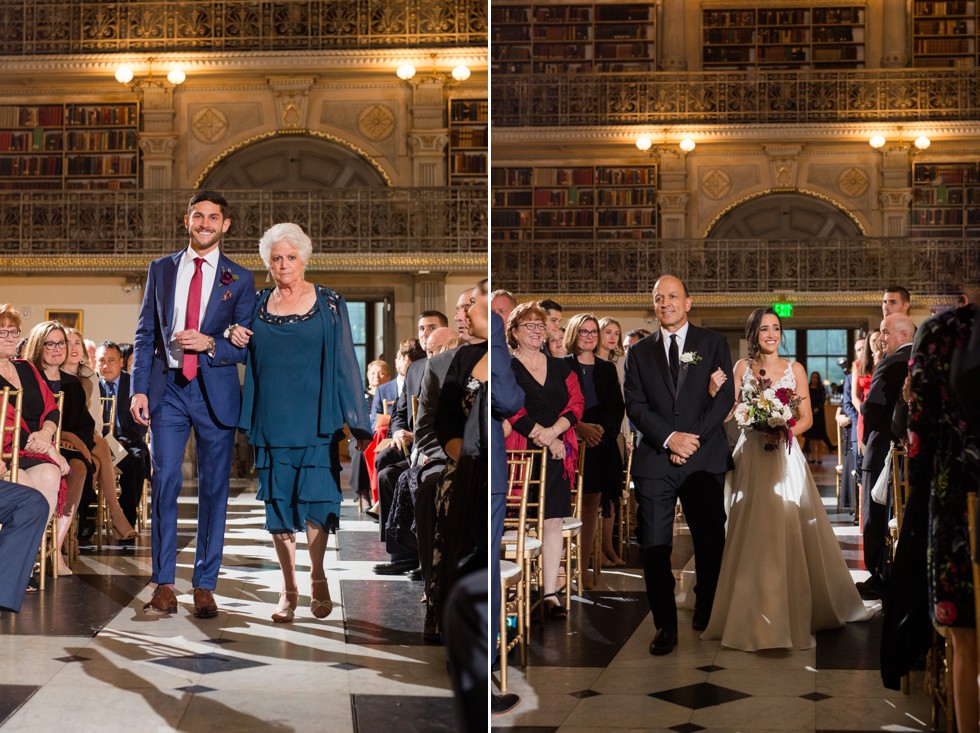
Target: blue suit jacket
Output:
[(385, 392), (506, 399), (154, 331)]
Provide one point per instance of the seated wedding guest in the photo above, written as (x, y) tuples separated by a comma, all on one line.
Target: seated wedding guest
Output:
[(409, 350), (134, 468), (90, 348), (944, 461), (502, 302), (76, 363), (126, 351), (554, 334), (378, 373), (24, 513), (556, 346), (302, 384), (41, 465), (553, 405), (46, 347), (634, 335), (600, 426)]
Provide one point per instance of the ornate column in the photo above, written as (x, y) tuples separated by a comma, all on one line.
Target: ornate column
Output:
[(429, 135), (895, 193), (672, 195), (672, 25), (157, 137), (895, 48)]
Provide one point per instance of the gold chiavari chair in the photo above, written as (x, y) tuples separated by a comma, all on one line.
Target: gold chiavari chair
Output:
[(515, 573), (626, 502), (839, 468), (103, 523), (533, 569), (49, 541), (900, 492), (571, 532)]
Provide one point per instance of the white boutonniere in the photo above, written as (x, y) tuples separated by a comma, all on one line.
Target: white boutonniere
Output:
[(689, 357)]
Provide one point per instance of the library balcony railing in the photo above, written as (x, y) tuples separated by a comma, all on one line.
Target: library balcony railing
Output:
[(353, 229), (734, 265), (98, 26), (741, 97)]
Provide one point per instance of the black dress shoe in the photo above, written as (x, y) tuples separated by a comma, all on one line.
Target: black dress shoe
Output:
[(415, 574), (396, 567), (873, 587), (700, 620), (664, 642), (501, 704)]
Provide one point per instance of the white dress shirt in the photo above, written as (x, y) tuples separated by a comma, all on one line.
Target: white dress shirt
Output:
[(681, 334), (185, 271)]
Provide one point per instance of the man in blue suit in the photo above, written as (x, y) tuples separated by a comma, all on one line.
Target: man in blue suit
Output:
[(23, 514), (185, 375)]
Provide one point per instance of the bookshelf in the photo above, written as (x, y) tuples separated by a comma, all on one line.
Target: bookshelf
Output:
[(573, 37), (468, 135), (69, 146), (790, 36), (945, 200), (944, 34), (574, 202)]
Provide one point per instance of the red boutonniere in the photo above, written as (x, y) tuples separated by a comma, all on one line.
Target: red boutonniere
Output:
[(227, 277)]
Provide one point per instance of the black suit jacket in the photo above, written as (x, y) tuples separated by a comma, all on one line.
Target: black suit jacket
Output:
[(130, 432), (402, 419), (878, 408), (658, 409)]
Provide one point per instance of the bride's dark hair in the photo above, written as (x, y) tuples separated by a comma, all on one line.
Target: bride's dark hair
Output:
[(752, 326)]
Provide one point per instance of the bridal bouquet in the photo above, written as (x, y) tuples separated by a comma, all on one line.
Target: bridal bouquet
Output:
[(769, 410)]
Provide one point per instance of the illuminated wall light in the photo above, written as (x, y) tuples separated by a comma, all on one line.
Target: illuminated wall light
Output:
[(877, 142), (124, 74), (687, 145), (461, 73), (405, 72), (922, 142), (176, 76), (644, 143)]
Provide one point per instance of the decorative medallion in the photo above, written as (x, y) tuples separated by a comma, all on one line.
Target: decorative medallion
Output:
[(210, 125), (853, 182), (717, 184), (376, 122)]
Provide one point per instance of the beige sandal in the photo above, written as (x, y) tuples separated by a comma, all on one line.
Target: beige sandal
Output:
[(286, 611), (320, 609)]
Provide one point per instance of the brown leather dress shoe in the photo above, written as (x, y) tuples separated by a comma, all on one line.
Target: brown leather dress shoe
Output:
[(163, 602), (204, 605)]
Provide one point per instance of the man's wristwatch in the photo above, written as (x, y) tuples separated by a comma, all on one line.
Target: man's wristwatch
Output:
[(211, 347)]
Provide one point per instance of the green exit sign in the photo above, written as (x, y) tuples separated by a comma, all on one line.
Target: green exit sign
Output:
[(783, 310)]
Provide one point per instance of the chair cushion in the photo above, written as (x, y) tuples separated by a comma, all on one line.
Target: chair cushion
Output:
[(532, 547), (509, 572)]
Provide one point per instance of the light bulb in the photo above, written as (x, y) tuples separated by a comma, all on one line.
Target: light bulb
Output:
[(687, 145), (461, 73), (877, 142), (644, 143), (124, 74), (405, 72), (176, 76), (922, 142)]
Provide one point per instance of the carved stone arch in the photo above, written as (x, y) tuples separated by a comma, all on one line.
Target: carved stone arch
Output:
[(785, 214), (293, 162)]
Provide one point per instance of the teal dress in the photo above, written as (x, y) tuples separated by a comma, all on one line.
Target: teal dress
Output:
[(288, 384)]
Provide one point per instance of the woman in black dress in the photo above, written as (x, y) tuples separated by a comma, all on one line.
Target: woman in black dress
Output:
[(602, 419), (552, 407)]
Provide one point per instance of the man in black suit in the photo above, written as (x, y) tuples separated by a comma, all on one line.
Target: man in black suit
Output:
[(135, 468), (682, 452), (878, 408)]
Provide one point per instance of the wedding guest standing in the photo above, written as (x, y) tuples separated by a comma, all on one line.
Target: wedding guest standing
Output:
[(302, 384), (185, 376)]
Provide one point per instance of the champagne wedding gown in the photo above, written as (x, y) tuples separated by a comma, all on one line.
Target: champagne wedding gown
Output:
[(782, 575)]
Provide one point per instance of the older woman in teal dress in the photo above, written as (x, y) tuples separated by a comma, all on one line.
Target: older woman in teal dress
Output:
[(302, 384)]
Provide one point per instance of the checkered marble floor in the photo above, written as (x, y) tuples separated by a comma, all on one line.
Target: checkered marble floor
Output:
[(81, 656), (594, 672)]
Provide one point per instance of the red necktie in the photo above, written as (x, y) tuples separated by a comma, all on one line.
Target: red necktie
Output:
[(193, 317)]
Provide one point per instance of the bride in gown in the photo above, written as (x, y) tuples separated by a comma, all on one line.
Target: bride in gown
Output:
[(783, 576)]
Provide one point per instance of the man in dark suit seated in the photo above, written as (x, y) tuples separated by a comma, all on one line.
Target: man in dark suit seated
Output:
[(878, 409), (134, 468), (23, 515)]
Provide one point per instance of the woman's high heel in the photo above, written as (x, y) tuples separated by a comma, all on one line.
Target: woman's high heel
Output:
[(320, 608), (286, 610), (555, 610)]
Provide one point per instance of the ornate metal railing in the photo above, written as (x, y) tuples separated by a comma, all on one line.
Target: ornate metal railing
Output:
[(735, 265), (746, 97), (30, 27), (369, 225)]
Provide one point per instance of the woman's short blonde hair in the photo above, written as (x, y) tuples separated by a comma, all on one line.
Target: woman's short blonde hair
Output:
[(523, 312), (34, 347), (10, 317), (571, 331), (385, 368), (292, 234), (74, 331)]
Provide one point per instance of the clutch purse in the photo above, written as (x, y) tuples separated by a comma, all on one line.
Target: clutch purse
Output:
[(116, 448)]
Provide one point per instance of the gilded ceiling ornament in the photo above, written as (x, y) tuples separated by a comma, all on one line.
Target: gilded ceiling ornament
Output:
[(210, 125), (717, 184), (853, 182), (376, 122)]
